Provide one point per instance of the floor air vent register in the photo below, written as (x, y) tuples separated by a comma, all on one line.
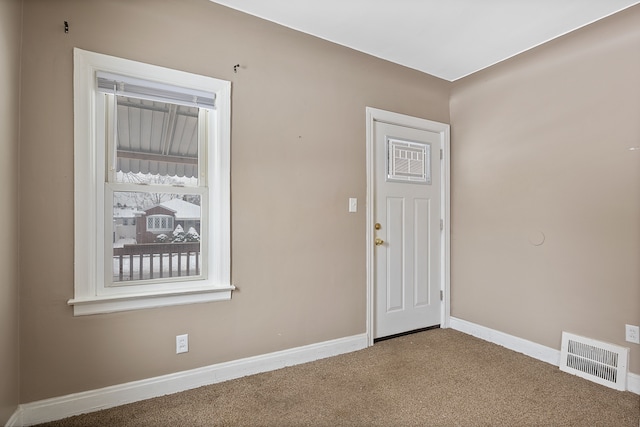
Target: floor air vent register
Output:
[(597, 361)]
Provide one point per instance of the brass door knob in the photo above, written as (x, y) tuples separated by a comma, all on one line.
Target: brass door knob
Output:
[(378, 241)]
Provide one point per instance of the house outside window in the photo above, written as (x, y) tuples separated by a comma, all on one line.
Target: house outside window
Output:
[(156, 223), (150, 143)]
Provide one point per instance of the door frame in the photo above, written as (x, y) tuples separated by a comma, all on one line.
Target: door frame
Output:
[(374, 115)]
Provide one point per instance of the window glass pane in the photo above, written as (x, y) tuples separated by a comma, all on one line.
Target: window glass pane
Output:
[(166, 245), (157, 142), (408, 161)]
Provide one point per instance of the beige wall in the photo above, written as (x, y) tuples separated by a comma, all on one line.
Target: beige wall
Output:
[(541, 143), (10, 33), (298, 154)]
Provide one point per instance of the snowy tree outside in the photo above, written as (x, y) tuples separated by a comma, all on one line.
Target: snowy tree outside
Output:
[(192, 235), (145, 200)]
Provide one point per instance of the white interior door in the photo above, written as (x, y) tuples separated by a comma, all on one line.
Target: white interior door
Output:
[(407, 228)]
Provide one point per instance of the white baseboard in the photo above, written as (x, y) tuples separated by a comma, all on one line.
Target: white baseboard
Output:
[(529, 348), (65, 406), (537, 351), (78, 403), (633, 383), (15, 420)]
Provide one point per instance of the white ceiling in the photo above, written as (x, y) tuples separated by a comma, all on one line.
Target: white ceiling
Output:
[(449, 39)]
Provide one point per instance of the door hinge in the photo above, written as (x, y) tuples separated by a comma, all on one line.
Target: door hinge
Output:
[(441, 154), (441, 295), (441, 224)]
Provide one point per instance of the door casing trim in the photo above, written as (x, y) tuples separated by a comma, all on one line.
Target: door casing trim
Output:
[(374, 115)]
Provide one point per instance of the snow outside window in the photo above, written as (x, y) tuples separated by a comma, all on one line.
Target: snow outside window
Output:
[(152, 144)]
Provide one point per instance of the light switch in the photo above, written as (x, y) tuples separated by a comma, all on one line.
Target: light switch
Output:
[(353, 204)]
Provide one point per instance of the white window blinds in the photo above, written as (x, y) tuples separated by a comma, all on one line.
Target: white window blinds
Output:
[(153, 91)]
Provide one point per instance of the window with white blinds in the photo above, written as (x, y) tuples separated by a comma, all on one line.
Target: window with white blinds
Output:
[(151, 144)]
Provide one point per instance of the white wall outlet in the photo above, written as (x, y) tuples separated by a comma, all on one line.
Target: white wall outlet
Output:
[(632, 333), (182, 343)]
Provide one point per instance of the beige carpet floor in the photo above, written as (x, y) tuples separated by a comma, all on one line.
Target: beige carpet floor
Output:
[(439, 377)]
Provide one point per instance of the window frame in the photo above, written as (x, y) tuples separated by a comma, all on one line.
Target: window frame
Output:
[(92, 294)]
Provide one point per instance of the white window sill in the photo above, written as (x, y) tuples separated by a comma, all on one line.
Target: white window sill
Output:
[(124, 302)]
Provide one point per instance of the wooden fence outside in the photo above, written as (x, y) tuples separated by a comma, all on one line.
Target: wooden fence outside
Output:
[(156, 260)]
